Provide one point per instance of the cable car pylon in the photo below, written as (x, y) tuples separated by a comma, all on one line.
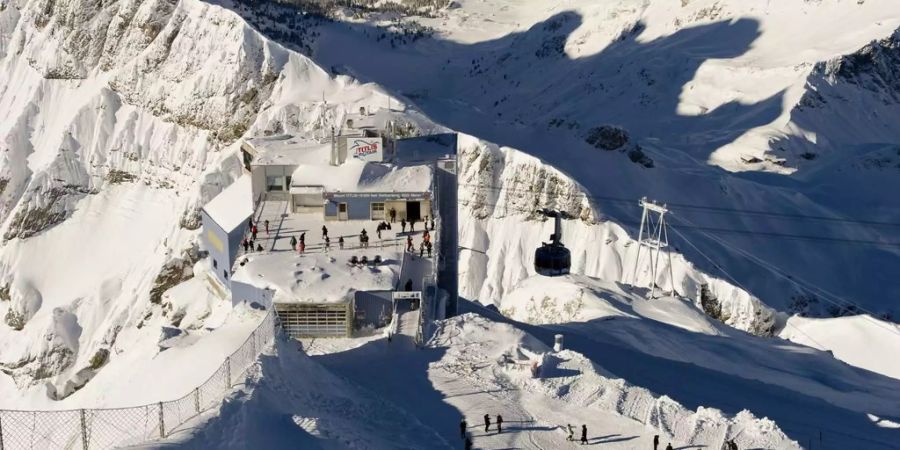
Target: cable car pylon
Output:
[(654, 236)]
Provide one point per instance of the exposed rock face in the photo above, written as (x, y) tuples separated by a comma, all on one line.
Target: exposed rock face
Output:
[(176, 271), (25, 301), (607, 137)]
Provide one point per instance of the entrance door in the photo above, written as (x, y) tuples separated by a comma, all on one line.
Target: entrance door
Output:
[(342, 211), (413, 211)]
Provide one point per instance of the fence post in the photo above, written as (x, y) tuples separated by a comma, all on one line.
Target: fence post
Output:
[(84, 435), (197, 399), (162, 422), (1, 430), (228, 372)]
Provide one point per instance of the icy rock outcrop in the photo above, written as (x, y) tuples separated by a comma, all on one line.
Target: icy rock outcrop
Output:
[(25, 301)]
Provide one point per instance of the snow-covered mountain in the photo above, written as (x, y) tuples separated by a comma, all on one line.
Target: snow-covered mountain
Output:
[(768, 128)]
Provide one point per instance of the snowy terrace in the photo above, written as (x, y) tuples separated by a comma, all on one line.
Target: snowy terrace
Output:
[(321, 275)]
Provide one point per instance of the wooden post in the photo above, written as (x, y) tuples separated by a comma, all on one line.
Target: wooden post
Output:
[(84, 434), (162, 422)]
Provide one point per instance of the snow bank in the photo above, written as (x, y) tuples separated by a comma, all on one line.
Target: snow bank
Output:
[(502, 354), (862, 340)]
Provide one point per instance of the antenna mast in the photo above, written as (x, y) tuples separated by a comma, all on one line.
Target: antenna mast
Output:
[(654, 236)]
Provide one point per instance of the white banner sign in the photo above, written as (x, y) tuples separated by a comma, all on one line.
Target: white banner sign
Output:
[(366, 149)]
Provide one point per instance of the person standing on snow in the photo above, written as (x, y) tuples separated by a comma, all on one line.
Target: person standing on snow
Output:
[(253, 231), (341, 242), (432, 224), (422, 250), (259, 247), (412, 225), (499, 423), (487, 418), (245, 244), (251, 245), (303, 237), (409, 244), (327, 243), (393, 214), (302, 247), (293, 243), (655, 442), (403, 225), (266, 223), (428, 247), (571, 429), (669, 447), (324, 232), (462, 428), (584, 435)]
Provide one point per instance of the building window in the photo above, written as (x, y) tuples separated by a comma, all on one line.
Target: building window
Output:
[(377, 211), (215, 264), (274, 183)]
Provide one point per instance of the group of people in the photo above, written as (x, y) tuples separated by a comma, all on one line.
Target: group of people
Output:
[(423, 247), (463, 433), (412, 224)]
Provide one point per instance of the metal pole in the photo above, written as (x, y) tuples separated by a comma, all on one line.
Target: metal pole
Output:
[(640, 242), (671, 268), (659, 228), (162, 422), (84, 435)]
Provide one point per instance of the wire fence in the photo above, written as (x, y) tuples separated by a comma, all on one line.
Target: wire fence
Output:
[(103, 428)]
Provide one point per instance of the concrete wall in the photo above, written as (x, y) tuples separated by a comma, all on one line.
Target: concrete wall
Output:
[(243, 292), (221, 250), (373, 307), (359, 204)]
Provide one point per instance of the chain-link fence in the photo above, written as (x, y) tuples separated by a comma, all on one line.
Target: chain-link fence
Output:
[(115, 427)]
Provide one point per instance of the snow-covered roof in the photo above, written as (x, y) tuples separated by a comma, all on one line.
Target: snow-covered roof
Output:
[(233, 206), (316, 277), (288, 150), (361, 176)]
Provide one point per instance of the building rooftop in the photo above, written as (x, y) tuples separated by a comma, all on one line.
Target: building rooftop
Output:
[(360, 176), (233, 205), (287, 149)]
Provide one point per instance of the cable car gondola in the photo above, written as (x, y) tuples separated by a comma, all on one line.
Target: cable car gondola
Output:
[(553, 259)]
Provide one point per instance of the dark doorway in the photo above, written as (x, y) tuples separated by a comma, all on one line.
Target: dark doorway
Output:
[(413, 211)]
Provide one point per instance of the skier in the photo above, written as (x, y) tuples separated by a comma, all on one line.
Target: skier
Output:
[(584, 435), (462, 428), (327, 243), (499, 423), (293, 243), (253, 231), (487, 418), (341, 242), (655, 442), (408, 288), (669, 447), (267, 226), (324, 232), (409, 244), (403, 225), (393, 214), (571, 429)]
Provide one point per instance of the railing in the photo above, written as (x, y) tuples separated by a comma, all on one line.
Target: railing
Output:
[(102, 428)]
